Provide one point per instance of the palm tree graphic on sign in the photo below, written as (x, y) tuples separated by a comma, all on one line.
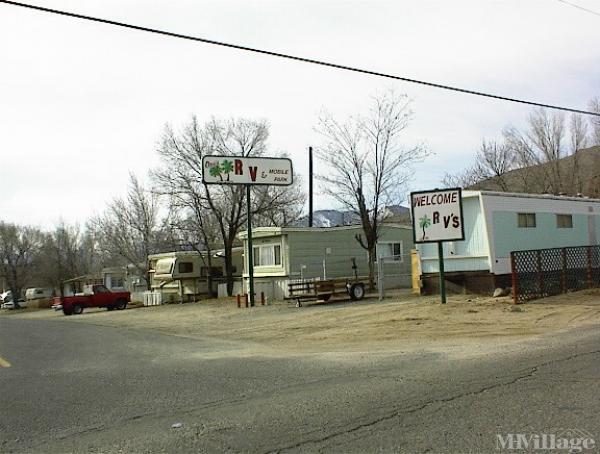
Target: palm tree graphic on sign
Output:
[(215, 171), (424, 222), (227, 167)]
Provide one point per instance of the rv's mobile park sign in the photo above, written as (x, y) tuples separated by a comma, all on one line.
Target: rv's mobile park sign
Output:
[(248, 172), (244, 170), (437, 215)]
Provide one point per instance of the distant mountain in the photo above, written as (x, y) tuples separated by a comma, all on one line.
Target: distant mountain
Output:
[(336, 218)]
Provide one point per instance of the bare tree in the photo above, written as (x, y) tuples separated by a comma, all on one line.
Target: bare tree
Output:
[(594, 106), (67, 251), (60, 256), (191, 224), (542, 147), (19, 247), (220, 205), (130, 228), (538, 152), (493, 160), (367, 166), (462, 179)]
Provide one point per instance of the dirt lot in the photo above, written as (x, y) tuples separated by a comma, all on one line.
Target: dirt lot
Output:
[(399, 323)]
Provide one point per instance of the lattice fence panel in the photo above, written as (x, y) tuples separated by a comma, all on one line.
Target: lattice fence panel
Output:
[(544, 272)]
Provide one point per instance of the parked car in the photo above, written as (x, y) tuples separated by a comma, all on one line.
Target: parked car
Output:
[(11, 304), (94, 296)]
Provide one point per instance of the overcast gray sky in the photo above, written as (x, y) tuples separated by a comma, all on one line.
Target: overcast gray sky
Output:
[(82, 104)]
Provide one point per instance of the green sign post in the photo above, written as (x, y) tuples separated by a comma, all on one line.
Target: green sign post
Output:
[(441, 267), (437, 216), (243, 170)]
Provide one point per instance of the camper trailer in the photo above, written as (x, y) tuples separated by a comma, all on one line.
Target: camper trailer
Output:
[(184, 276), (36, 293)]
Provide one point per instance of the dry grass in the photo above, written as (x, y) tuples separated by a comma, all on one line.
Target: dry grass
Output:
[(401, 322)]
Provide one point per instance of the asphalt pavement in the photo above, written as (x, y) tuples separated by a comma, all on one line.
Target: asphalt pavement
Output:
[(77, 387)]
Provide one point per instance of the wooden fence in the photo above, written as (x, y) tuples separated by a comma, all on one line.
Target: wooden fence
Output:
[(544, 272)]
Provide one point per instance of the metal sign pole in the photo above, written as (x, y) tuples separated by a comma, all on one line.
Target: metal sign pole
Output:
[(441, 273), (250, 248), (380, 278)]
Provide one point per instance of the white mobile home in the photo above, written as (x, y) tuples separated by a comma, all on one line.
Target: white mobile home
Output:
[(281, 254), (496, 223)]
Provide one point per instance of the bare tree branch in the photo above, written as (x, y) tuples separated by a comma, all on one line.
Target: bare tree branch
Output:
[(366, 166)]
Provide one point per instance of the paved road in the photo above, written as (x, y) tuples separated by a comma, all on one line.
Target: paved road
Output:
[(74, 387)]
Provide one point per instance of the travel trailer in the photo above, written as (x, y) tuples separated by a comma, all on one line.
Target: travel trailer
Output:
[(184, 276), (36, 293)]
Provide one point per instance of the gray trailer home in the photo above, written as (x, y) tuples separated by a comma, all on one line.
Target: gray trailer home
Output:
[(183, 276), (285, 254)]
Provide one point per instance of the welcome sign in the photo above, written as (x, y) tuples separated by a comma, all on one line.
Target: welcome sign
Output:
[(437, 215), (244, 170)]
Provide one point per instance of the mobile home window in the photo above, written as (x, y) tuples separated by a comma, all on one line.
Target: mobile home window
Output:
[(267, 255), (116, 282), (393, 251), (564, 221), (526, 220), (164, 266), (186, 267)]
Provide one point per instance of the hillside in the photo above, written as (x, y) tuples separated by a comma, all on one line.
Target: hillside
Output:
[(572, 175)]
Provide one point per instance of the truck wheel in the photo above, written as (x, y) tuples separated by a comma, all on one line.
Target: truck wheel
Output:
[(357, 292), (121, 304), (110, 308), (67, 311), (77, 309)]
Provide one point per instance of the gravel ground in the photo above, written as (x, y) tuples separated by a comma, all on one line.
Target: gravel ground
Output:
[(401, 322)]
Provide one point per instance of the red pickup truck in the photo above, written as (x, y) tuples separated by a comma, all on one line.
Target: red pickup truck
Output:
[(100, 296)]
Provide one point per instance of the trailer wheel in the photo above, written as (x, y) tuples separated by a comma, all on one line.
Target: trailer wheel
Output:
[(77, 309), (357, 292)]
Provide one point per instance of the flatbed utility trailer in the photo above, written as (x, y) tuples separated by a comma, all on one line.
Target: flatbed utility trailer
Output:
[(315, 290)]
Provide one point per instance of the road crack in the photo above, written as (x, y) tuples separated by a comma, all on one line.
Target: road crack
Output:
[(532, 371)]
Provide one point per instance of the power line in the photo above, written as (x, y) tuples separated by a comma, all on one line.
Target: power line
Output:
[(293, 57), (580, 7)]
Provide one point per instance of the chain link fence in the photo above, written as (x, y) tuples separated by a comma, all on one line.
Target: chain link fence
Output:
[(545, 272)]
